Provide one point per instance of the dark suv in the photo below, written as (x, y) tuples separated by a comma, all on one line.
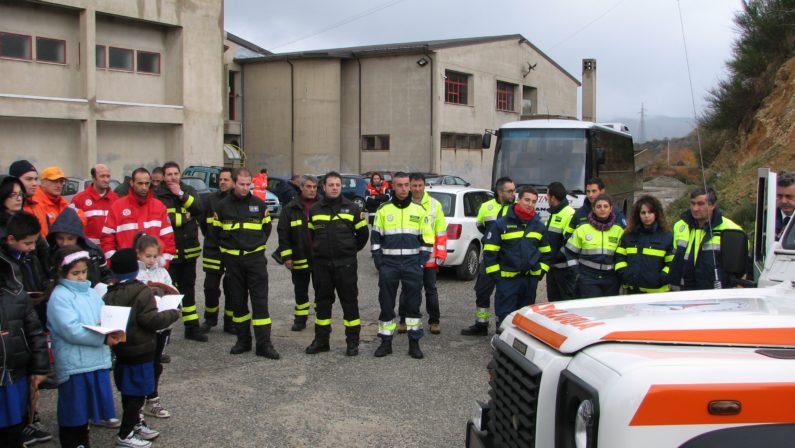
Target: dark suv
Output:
[(209, 174)]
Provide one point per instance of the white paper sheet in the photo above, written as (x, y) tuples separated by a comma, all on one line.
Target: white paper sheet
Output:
[(111, 319), (169, 302)]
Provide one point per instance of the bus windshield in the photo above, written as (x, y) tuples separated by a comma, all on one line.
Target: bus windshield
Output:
[(541, 156)]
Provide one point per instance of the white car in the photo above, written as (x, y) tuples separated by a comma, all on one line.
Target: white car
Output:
[(460, 205)]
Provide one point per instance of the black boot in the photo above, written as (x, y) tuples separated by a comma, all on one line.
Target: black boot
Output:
[(414, 349), (318, 345), (264, 345), (384, 349), (352, 349), (299, 323), (479, 329), (208, 324), (195, 333), (243, 343)]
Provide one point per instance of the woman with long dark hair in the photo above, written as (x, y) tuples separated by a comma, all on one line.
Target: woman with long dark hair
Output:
[(644, 256)]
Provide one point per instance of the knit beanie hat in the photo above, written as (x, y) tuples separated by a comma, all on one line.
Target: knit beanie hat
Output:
[(20, 167), (124, 264)]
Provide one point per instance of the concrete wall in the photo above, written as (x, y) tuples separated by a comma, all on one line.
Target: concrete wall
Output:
[(44, 142), (127, 146)]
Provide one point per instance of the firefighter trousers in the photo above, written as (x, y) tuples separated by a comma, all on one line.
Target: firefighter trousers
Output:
[(484, 288), (301, 279), (591, 283), (396, 270), (514, 293), (561, 284), (183, 274), (343, 280), (431, 297), (247, 276), (212, 294)]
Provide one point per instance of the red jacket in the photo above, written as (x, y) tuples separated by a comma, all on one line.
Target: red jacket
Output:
[(372, 190), (128, 215), (96, 209), (46, 208)]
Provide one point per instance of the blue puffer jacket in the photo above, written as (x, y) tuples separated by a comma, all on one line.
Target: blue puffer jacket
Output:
[(76, 349)]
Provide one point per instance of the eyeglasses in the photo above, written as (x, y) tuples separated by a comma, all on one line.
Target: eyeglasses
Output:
[(15, 195)]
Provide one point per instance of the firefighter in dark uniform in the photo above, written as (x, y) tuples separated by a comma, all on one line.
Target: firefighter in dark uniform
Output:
[(561, 279), (295, 247), (594, 187), (402, 241), (211, 257), (339, 230), (504, 195), (516, 254), (184, 210), (242, 227)]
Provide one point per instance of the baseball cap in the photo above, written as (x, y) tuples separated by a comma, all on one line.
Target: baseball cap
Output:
[(52, 173)]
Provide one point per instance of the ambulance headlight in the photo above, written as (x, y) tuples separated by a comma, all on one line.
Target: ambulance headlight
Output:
[(583, 424), (577, 413)]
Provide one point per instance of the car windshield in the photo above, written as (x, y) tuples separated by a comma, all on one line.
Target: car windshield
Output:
[(447, 200), (541, 156), (349, 182), (195, 183)]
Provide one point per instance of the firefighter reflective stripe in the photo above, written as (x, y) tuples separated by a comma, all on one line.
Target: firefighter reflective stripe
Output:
[(192, 252), (352, 323), (598, 251), (410, 231), (492, 268), (188, 203), (413, 324), (210, 263), (189, 313), (261, 322), (245, 225), (601, 267), (237, 251), (296, 223), (508, 274), (228, 313), (211, 309), (669, 258), (345, 216), (360, 224), (512, 235), (387, 328), (301, 309), (491, 247), (482, 315), (400, 251), (301, 264), (663, 288), (654, 252), (323, 322), (286, 252), (621, 265)]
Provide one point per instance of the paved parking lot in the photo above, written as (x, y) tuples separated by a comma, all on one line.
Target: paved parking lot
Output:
[(218, 399)]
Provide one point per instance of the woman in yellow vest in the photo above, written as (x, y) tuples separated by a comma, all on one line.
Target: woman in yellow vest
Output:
[(591, 250)]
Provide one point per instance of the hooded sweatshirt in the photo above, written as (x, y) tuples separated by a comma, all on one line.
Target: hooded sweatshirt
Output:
[(69, 222)]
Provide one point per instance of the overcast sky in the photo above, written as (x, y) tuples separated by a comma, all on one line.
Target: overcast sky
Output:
[(638, 43)]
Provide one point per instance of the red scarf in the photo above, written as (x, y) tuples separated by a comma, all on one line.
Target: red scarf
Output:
[(522, 214)]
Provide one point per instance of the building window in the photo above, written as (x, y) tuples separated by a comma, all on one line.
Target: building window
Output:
[(452, 140), (120, 59), (15, 46), (456, 87), (50, 50), (505, 96), (232, 105), (375, 142), (101, 57), (148, 62)]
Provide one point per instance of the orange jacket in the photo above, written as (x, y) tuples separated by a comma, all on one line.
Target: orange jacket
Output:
[(46, 208), (260, 181)]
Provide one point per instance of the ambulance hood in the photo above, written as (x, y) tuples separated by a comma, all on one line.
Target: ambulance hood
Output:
[(750, 317)]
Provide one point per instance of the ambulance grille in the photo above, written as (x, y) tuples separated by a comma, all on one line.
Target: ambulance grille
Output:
[(514, 398)]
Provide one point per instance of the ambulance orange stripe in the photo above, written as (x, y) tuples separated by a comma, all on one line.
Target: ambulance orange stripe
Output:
[(745, 336), (686, 404), (548, 336)]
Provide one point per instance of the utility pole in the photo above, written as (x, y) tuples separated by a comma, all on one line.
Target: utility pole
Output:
[(642, 132)]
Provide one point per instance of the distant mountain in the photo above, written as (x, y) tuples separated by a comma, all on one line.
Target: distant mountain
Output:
[(657, 127)]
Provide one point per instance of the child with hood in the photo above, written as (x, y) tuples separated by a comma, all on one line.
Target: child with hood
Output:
[(68, 230)]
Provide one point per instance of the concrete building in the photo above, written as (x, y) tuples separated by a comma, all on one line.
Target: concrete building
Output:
[(126, 83), (412, 106)]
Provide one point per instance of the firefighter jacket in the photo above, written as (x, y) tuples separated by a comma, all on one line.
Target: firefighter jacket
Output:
[(294, 238), (95, 207), (184, 213), (211, 255), (242, 224), (698, 252), (339, 230), (581, 217), (557, 222), (592, 247), (130, 215), (46, 207), (643, 259), (514, 247), (488, 212), (401, 228), (439, 225)]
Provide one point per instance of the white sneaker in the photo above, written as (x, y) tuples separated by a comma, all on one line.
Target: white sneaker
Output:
[(144, 432), (109, 423), (154, 408), (131, 441)]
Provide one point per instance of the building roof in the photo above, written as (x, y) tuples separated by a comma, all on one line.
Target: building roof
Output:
[(399, 48), (251, 50)]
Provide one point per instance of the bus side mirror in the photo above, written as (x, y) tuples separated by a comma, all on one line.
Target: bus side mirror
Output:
[(486, 143), (734, 252)]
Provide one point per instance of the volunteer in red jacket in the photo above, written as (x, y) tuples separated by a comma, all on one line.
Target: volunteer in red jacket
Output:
[(138, 211), (95, 201)]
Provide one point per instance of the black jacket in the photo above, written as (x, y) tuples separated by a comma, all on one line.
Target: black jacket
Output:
[(643, 259), (242, 224), (184, 215), (23, 345), (339, 230), (294, 235), (209, 204), (145, 320), (42, 248), (69, 222)]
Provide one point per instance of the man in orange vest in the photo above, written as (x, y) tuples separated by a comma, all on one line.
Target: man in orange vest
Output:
[(48, 202)]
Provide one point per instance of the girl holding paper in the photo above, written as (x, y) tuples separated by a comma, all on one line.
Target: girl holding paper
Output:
[(82, 356)]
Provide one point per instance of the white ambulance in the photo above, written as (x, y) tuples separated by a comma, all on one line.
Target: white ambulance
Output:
[(683, 369)]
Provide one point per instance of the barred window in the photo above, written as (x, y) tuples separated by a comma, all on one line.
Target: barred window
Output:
[(505, 96), (456, 87)]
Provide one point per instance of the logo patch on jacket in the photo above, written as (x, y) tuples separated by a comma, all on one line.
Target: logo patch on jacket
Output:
[(89, 202), (414, 218), (588, 237), (682, 228), (613, 239), (390, 218), (253, 208), (126, 212)]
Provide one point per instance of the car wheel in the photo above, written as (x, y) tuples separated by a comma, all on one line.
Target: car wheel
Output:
[(359, 202), (469, 267)]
